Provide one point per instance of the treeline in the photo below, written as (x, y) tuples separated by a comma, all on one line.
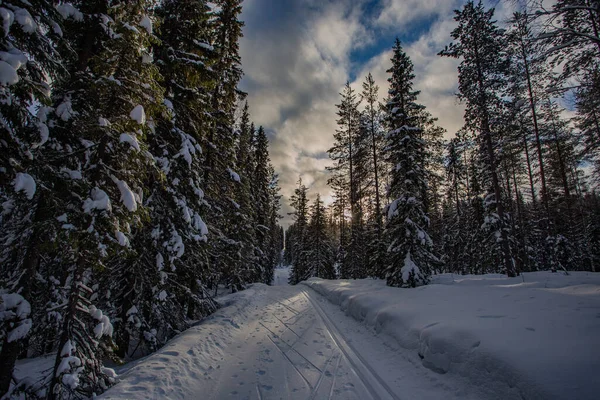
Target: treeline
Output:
[(507, 194), (132, 185)]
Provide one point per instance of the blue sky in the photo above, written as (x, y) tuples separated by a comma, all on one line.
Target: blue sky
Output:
[(298, 54)]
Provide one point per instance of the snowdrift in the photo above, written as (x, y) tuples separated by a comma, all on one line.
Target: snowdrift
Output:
[(534, 336), (182, 368)]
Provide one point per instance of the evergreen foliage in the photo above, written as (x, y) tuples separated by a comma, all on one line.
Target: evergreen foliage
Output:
[(411, 260), (130, 194)]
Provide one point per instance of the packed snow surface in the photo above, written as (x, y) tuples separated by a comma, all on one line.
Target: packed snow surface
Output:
[(461, 337), (281, 276), (265, 343)]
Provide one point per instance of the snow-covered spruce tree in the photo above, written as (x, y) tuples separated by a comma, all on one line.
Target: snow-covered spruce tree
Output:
[(288, 256), (321, 250), (411, 260), (29, 60), (362, 173), (527, 75), (103, 113), (512, 171), (172, 241), (433, 166), (343, 178), (454, 207), (561, 161), (463, 239), (244, 197), (299, 245), (372, 128), (481, 45), (339, 185), (275, 245), (220, 175), (263, 203)]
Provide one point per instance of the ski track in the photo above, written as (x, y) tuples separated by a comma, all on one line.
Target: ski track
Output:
[(279, 342), (292, 353)]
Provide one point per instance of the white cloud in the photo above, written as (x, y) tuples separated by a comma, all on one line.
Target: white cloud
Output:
[(402, 14), (435, 77), (297, 63), (293, 80)]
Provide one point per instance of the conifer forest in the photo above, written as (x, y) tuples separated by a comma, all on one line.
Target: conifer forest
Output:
[(135, 187)]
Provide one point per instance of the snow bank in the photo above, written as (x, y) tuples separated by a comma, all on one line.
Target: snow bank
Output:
[(534, 336), (182, 368)]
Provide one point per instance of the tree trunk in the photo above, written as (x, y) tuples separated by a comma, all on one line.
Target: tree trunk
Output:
[(376, 167), (538, 142), (529, 171), (489, 147)]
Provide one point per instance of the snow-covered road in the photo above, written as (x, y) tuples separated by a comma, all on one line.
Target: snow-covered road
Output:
[(278, 342)]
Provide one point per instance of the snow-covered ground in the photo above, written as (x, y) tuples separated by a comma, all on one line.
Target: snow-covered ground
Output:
[(468, 337), (534, 336), (281, 276), (266, 343)]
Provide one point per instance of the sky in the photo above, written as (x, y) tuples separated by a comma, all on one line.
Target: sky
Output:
[(298, 54)]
